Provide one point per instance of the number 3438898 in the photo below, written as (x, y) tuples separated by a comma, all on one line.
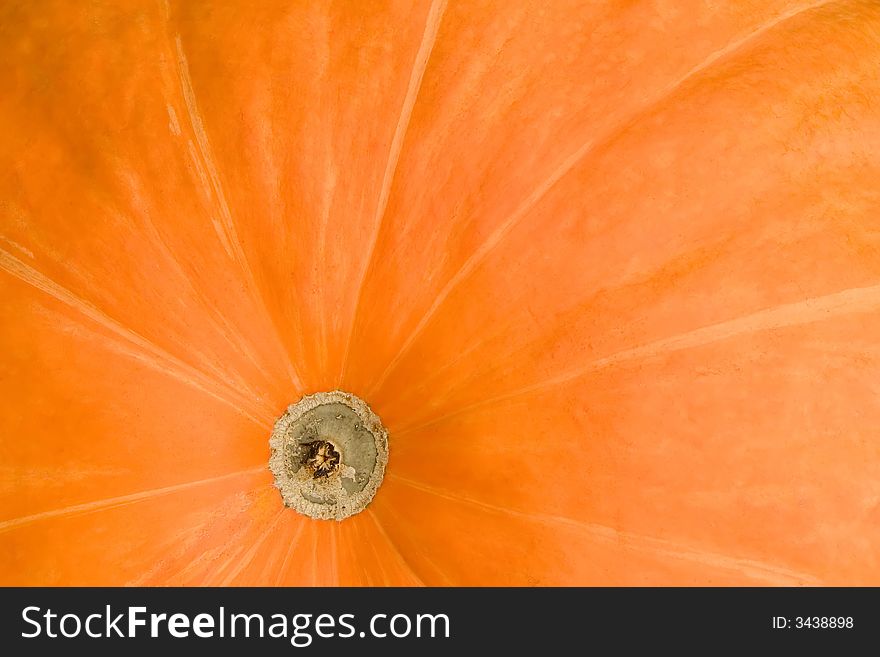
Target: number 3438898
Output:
[(813, 622)]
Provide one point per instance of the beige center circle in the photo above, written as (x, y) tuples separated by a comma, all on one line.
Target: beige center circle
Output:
[(328, 454)]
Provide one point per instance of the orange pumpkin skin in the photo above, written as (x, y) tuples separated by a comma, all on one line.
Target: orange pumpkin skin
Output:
[(608, 272)]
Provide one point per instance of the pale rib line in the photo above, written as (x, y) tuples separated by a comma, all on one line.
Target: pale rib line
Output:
[(320, 297), (293, 543), (334, 555), (383, 577), (191, 573), (808, 311), (447, 581), (252, 552), (754, 569), (141, 208), (185, 547), (394, 547), (122, 500), (127, 350), (314, 568), (241, 344), (216, 316), (151, 354), (420, 65), (500, 233), (227, 232)]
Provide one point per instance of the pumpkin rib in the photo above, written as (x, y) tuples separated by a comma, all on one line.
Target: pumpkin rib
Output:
[(569, 163), (198, 564), (768, 573), (374, 559), (299, 568), (50, 355), (572, 555), (266, 562), (334, 554), (396, 550), (149, 353), (569, 329), (845, 302), (32, 556), (433, 570), (206, 381), (229, 578), (182, 81), (282, 570), (233, 337), (576, 159), (420, 64), (228, 233), (226, 551), (120, 500), (78, 296), (836, 302), (653, 462), (274, 151), (218, 549)]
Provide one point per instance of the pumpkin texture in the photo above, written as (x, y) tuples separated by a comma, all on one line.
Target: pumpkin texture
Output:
[(608, 272)]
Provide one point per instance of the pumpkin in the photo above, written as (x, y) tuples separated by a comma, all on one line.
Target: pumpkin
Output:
[(607, 272)]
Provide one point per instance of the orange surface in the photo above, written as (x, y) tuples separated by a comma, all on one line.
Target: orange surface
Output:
[(609, 272)]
